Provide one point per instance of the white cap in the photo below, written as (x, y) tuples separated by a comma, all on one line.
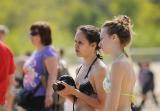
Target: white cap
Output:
[(4, 29)]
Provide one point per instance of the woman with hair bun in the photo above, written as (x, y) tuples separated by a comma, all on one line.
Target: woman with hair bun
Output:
[(120, 80)]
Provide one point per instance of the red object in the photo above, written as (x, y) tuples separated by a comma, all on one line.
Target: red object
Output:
[(7, 68)]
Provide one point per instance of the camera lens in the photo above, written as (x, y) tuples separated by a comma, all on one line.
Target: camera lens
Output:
[(58, 86), (65, 78)]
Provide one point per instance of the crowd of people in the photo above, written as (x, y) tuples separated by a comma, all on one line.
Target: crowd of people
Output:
[(27, 82)]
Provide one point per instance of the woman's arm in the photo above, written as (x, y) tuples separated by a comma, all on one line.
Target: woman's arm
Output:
[(99, 87), (99, 101), (51, 64), (117, 74), (63, 93), (95, 102), (69, 97)]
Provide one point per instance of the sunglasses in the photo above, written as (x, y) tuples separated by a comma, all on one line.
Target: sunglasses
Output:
[(34, 32)]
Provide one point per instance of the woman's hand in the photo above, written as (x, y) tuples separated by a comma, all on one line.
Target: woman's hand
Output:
[(48, 100), (68, 90)]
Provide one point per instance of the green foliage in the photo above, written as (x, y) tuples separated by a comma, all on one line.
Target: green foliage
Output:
[(65, 16)]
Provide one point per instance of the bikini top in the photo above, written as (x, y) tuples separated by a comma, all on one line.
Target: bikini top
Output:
[(86, 87), (107, 88)]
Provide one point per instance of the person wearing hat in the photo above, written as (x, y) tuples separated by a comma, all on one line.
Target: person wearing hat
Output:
[(3, 32)]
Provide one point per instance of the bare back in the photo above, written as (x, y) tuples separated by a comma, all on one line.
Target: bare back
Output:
[(127, 86)]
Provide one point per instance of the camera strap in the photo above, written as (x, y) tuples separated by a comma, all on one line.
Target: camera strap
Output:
[(74, 99), (36, 88), (90, 67)]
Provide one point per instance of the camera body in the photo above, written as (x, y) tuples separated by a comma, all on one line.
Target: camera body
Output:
[(86, 88), (58, 86)]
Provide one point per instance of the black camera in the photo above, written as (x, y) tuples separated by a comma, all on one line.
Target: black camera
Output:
[(86, 88), (58, 86)]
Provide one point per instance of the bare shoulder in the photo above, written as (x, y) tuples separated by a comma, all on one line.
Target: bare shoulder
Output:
[(100, 68), (100, 65), (120, 63), (122, 66)]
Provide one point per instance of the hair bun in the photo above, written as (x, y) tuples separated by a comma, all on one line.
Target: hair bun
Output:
[(123, 20)]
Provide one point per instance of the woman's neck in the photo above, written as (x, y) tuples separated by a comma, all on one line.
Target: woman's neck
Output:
[(89, 59), (116, 53), (39, 47)]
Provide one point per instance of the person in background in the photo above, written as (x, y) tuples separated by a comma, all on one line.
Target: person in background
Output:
[(62, 63), (7, 68), (62, 70), (41, 68), (147, 83), (17, 83), (3, 32)]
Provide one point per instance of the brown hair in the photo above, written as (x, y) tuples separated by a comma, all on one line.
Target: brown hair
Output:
[(43, 29), (92, 35), (121, 26)]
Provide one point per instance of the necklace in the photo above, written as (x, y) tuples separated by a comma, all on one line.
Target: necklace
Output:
[(119, 56)]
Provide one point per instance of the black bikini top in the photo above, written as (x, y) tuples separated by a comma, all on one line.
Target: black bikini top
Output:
[(86, 87)]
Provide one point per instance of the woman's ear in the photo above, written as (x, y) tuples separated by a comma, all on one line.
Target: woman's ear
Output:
[(115, 37), (94, 45)]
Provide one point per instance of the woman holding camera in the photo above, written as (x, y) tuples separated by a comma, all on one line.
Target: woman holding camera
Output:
[(90, 74)]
